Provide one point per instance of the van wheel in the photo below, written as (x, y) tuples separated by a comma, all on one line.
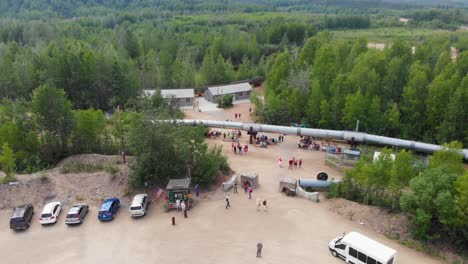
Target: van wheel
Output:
[(334, 253)]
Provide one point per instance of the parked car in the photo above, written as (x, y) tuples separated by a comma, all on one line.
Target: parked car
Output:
[(50, 213), (76, 214), (108, 209), (139, 205), (21, 217)]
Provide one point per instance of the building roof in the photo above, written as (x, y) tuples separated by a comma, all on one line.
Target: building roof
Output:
[(178, 93), (172, 93), (230, 89), (177, 184), (369, 247)]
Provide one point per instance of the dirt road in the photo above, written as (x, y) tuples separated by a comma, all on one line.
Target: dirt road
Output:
[(293, 230)]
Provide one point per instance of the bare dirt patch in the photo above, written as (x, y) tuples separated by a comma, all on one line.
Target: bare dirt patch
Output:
[(373, 217), (39, 188)]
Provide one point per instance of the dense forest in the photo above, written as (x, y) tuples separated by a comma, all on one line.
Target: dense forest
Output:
[(414, 92), (64, 63)]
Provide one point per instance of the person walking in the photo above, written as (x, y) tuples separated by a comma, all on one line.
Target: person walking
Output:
[(265, 205), (280, 162), (239, 115), (197, 193), (235, 115), (250, 192), (259, 249), (290, 164), (258, 204), (300, 162), (246, 185), (224, 136), (182, 206), (177, 202), (227, 201), (235, 187)]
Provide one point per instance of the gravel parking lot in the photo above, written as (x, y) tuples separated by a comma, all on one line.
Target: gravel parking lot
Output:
[(293, 230)]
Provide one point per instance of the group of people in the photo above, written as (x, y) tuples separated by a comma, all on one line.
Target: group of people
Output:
[(213, 133), (237, 115), (264, 140), (233, 135), (238, 148), (181, 204), (293, 163)]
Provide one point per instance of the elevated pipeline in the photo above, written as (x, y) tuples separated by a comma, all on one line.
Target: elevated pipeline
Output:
[(322, 133)]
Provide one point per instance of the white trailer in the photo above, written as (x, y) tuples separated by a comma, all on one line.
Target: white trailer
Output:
[(356, 248)]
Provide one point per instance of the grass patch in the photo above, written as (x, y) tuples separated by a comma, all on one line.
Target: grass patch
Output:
[(44, 178), (112, 170), (7, 180), (77, 167), (422, 247)]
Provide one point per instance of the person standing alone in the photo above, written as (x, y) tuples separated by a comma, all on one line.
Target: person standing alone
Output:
[(235, 187), (227, 202), (259, 249)]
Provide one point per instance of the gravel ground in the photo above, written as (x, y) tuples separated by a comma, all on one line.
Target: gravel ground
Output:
[(292, 230)]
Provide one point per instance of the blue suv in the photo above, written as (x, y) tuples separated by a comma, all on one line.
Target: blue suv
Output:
[(108, 209)]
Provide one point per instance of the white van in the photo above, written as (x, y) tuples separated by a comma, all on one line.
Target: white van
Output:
[(355, 248)]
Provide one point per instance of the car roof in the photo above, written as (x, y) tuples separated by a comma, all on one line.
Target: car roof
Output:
[(19, 210), (368, 246), (107, 204), (48, 208), (74, 209), (138, 198)]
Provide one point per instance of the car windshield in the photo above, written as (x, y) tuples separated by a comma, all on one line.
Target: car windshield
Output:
[(72, 216), (135, 208), (16, 220), (46, 215)]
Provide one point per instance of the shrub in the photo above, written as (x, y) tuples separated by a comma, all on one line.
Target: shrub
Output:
[(111, 169), (225, 101), (77, 167), (43, 177)]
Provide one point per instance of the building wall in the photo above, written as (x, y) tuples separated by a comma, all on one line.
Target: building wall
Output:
[(181, 102), (236, 96), (208, 95)]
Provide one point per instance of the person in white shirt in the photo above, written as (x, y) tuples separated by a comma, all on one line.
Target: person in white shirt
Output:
[(177, 203), (182, 205)]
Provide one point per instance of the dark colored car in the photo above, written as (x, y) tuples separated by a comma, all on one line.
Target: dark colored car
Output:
[(21, 217), (108, 209), (76, 214)]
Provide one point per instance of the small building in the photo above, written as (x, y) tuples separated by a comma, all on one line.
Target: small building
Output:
[(239, 91), (251, 177), (179, 97)]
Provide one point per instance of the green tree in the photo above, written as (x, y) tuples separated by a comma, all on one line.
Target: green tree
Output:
[(448, 157), (356, 108), (89, 127), (54, 115), (413, 105), (8, 162)]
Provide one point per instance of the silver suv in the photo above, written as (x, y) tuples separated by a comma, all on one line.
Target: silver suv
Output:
[(76, 214)]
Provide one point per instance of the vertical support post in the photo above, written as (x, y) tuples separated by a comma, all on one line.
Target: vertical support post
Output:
[(122, 141), (251, 135)]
